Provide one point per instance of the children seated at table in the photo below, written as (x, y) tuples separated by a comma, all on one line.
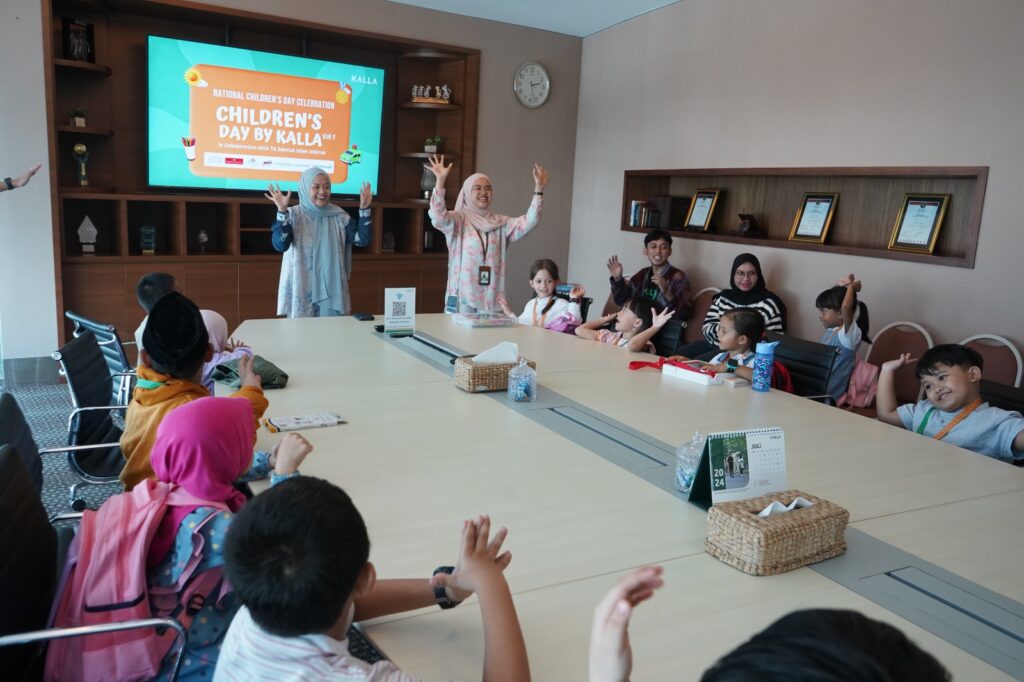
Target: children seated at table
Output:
[(663, 284), (814, 644), (952, 409), (846, 324), (175, 346), (224, 349), (635, 324), (297, 557), (150, 289), (545, 309), (739, 331)]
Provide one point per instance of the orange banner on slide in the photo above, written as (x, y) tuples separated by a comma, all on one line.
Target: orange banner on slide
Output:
[(247, 124)]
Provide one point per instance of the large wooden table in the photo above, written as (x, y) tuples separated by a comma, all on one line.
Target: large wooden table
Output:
[(419, 455)]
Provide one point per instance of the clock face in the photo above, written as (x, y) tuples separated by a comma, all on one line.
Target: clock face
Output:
[(532, 85)]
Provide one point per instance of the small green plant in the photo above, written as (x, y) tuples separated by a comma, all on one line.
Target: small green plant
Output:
[(434, 141), (76, 112)]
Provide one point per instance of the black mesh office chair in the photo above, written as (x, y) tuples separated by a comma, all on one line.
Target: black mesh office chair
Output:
[(91, 422), (584, 304), (31, 561), (669, 338), (121, 373), (809, 363)]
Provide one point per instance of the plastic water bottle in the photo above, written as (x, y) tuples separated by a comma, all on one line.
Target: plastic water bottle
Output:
[(687, 458), (522, 383), (763, 360)]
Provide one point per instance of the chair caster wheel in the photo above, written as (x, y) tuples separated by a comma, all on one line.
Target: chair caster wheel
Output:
[(77, 504)]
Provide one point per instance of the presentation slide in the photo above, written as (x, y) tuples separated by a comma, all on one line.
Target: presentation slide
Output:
[(228, 118)]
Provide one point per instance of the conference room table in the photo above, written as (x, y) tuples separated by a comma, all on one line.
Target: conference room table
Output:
[(419, 455)]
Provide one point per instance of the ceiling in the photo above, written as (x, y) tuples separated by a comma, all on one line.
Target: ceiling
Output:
[(572, 17)]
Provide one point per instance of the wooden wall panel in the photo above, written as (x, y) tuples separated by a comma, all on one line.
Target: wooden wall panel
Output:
[(213, 286), (96, 292), (257, 290)]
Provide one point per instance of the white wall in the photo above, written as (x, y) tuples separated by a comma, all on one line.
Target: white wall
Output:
[(738, 83), (28, 312), (509, 139)]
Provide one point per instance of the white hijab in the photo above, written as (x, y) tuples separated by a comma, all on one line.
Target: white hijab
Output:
[(481, 219)]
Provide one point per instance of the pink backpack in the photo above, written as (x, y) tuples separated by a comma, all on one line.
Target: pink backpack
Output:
[(863, 386), (105, 581)]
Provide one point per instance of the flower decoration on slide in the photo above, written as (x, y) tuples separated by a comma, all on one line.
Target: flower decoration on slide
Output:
[(194, 78)]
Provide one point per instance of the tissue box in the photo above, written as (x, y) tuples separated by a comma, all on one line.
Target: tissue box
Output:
[(777, 543), (483, 377)]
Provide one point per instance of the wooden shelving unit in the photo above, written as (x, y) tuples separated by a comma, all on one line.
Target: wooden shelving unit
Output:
[(236, 272), (869, 200)]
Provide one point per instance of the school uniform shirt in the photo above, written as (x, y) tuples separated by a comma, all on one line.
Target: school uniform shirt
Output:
[(987, 430), (533, 313), (615, 338), (847, 341), (744, 360), (251, 653)]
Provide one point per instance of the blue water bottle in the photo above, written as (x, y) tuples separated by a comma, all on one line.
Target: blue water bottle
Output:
[(763, 360)]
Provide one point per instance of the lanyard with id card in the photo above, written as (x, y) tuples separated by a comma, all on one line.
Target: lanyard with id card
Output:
[(483, 274)]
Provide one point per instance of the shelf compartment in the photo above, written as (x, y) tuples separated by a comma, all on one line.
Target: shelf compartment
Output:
[(87, 130), (211, 218), (82, 67), (162, 215), (104, 214)]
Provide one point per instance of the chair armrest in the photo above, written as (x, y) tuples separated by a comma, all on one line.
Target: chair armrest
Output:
[(79, 410), (181, 636), (123, 374), (66, 516), (827, 399), (76, 448), (127, 343)]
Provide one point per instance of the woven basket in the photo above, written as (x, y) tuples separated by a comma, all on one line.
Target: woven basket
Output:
[(778, 543), (484, 377)]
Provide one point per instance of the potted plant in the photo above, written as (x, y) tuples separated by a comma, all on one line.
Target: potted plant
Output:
[(77, 117), (431, 144)]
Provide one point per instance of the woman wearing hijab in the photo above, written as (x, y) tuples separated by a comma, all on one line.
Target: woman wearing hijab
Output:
[(316, 238), (477, 237), (204, 446), (748, 289)]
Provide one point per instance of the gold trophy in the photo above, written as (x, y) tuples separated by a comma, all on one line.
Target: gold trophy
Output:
[(81, 154)]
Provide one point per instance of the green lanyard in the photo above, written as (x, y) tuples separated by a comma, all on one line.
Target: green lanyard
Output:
[(924, 422)]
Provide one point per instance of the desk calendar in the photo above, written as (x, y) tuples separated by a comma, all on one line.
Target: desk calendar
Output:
[(737, 465)]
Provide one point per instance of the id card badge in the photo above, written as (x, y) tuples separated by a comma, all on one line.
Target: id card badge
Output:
[(451, 304), (484, 275)]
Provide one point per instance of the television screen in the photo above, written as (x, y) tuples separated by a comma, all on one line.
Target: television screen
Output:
[(227, 118)]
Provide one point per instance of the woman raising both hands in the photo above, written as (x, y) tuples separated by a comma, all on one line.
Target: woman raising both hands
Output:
[(477, 237)]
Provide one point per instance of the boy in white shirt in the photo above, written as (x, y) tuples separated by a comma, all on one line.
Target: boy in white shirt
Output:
[(297, 558), (953, 409)]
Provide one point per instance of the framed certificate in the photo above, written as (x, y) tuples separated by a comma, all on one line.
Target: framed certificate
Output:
[(918, 223), (698, 218), (814, 217)]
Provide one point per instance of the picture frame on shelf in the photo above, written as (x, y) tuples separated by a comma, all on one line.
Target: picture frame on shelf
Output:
[(814, 217), (918, 222), (78, 40), (702, 208)]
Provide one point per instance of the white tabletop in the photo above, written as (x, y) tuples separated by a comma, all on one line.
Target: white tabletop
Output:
[(418, 456)]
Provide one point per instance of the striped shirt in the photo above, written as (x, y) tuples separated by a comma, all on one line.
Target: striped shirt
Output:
[(252, 653), (770, 307)]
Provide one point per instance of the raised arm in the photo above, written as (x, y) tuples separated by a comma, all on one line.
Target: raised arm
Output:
[(21, 180), (885, 400), (638, 342), (611, 657), (518, 228), (282, 235), (849, 308), (440, 216), (589, 330), (357, 233)]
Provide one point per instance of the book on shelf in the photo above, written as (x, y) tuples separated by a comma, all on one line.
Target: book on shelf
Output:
[(644, 214)]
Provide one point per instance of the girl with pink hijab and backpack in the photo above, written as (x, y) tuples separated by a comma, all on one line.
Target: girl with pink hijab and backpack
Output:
[(164, 540), (477, 237)]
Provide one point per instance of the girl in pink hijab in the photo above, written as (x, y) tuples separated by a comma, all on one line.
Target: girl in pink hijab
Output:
[(204, 446), (478, 238), (225, 349)]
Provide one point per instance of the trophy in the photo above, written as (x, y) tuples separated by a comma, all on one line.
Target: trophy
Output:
[(427, 182), (203, 238), (87, 233), (81, 154)]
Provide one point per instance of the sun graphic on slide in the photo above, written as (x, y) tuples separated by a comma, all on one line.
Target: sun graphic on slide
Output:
[(194, 78)]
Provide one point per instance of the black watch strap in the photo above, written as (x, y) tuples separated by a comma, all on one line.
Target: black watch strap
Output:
[(9, 183), (439, 593)]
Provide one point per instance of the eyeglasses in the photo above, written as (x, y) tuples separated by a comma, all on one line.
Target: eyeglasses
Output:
[(746, 275)]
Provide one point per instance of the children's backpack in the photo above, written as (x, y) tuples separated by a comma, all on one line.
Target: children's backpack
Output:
[(780, 377), (105, 581), (863, 386)]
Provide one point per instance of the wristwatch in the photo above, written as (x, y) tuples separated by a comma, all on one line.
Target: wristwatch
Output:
[(9, 183), (439, 592), (731, 364)]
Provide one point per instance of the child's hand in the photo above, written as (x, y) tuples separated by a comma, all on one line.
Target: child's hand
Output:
[(245, 373), (503, 304), (720, 367), (289, 453), (615, 267), (480, 558), (660, 282), (235, 345), (850, 281), (611, 658), (678, 358), (455, 584), (577, 292), (659, 319), (893, 365)]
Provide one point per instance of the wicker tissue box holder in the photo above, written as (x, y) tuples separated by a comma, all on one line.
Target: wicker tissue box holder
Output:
[(778, 543), (484, 377)]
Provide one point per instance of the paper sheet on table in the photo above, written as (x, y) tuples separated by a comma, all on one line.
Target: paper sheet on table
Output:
[(504, 352), (779, 508)]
